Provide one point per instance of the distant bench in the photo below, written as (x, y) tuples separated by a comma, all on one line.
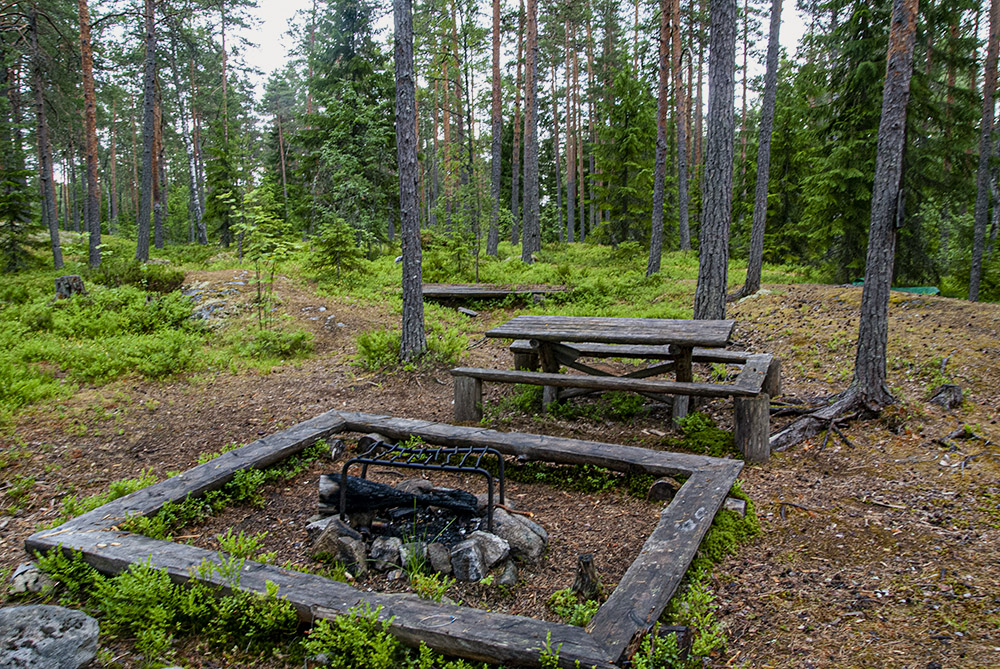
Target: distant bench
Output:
[(751, 399)]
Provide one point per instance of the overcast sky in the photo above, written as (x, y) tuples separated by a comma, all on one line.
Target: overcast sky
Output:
[(273, 45)]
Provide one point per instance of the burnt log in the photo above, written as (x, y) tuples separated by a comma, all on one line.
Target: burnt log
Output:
[(364, 495)]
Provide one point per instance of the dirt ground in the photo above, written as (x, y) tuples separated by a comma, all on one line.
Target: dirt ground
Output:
[(879, 548)]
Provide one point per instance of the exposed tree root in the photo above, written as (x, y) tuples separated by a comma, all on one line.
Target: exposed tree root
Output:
[(850, 405)]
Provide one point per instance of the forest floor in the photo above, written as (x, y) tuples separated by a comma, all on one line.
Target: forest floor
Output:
[(880, 551)]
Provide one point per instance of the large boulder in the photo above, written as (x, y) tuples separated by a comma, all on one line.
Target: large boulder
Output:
[(46, 636)]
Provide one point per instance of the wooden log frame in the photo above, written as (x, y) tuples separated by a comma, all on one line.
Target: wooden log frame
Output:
[(752, 418), (630, 611)]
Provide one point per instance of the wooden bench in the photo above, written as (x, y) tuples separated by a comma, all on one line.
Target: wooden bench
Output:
[(526, 357), (750, 398)]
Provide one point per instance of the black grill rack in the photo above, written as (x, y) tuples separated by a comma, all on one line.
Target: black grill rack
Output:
[(462, 459)]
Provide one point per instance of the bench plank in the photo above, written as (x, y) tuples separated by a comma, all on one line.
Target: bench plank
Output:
[(606, 383), (639, 351)]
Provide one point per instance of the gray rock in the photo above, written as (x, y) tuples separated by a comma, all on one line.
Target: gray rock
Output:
[(483, 498), (29, 578), (508, 577), (493, 548), (333, 528), (527, 539), (385, 552), (352, 553), (316, 527), (467, 561), (440, 558), (413, 555), (365, 442), (52, 637), (396, 574), (415, 486)]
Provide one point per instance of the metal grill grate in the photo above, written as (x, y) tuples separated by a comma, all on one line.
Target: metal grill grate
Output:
[(467, 459)]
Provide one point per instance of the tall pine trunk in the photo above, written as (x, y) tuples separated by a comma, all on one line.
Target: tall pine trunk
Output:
[(873, 335), (555, 148), (159, 201), (983, 174), (148, 130), (660, 165), (93, 209), (113, 164), (515, 158), (45, 175), (717, 189), (756, 260), (413, 341), (570, 139), (680, 119), (531, 237)]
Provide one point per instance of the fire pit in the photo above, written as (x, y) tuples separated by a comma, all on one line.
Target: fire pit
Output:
[(417, 525), (467, 459)]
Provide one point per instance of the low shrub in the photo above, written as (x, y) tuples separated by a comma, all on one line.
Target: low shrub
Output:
[(280, 344), (119, 271)]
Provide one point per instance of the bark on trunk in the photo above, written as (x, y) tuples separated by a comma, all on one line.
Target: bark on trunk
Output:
[(983, 174), (555, 148), (531, 241), (112, 160), (717, 198), (90, 134), (45, 175), (873, 333), (148, 130), (413, 340), (493, 239), (660, 167), (752, 283), (570, 141), (680, 118), (159, 201), (194, 206), (515, 158)]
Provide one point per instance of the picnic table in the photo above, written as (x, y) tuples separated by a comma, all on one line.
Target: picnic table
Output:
[(673, 345)]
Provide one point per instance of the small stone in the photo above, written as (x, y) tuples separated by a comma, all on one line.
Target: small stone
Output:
[(526, 538), (467, 561), (663, 490), (413, 555), (440, 558), (366, 442), (415, 486), (46, 636), (508, 577), (334, 528), (316, 526), (396, 575), (385, 552), (482, 499), (351, 552), (29, 578), (494, 548)]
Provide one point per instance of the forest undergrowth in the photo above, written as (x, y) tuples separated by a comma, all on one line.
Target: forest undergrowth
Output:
[(870, 541)]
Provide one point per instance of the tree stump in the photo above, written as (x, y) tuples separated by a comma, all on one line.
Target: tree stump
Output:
[(69, 285), (586, 585)]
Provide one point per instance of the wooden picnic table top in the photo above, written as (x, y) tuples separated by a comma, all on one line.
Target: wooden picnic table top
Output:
[(710, 334)]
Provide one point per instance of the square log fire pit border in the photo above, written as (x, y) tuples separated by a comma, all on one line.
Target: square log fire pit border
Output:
[(631, 610)]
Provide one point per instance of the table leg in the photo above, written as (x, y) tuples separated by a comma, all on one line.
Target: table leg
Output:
[(684, 374), (549, 363)]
